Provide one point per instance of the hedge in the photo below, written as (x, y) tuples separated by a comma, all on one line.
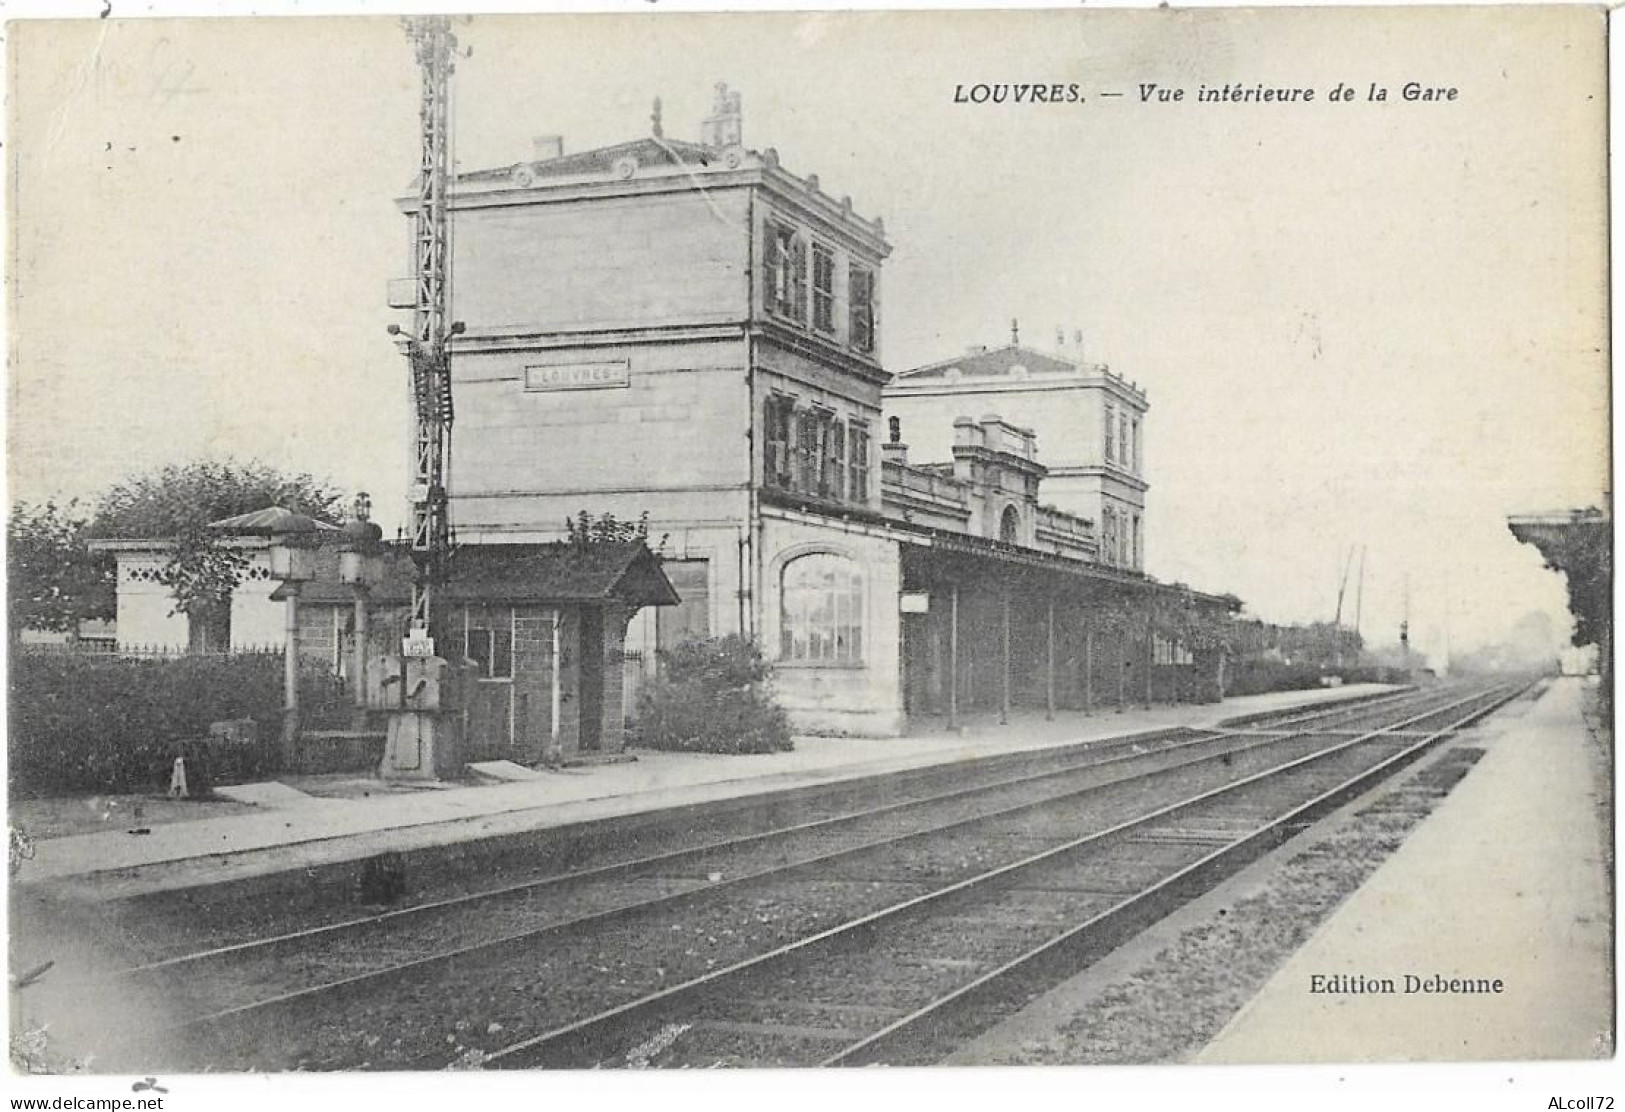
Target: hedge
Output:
[(114, 724), (712, 696), (1257, 677)]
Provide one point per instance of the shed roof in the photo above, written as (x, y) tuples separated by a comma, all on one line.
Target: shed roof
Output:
[(271, 521), (537, 573)]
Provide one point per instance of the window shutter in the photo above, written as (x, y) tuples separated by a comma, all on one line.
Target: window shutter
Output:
[(798, 279), (835, 461)]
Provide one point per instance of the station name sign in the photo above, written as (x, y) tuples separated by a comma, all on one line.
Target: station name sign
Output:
[(578, 376)]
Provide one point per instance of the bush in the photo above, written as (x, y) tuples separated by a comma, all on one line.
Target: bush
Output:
[(712, 696), (1259, 677), (113, 724)]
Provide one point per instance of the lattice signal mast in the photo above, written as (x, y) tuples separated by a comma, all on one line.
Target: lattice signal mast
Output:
[(428, 347)]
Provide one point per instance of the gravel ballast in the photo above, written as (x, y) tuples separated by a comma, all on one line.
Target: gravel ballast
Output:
[(1166, 1004)]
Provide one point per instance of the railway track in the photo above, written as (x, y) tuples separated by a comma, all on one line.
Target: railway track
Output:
[(547, 955), (183, 922), (179, 931), (904, 985)]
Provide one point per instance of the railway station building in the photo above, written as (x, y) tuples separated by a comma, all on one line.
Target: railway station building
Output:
[(691, 330)]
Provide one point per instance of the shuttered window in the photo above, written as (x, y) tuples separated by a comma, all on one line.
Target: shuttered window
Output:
[(858, 461), (823, 288), (776, 469), (860, 295), (785, 272), (834, 479)]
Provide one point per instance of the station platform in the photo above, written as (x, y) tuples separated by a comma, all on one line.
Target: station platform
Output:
[(291, 829), (1507, 881)]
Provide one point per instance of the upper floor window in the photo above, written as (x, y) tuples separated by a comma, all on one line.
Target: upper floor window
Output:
[(860, 292), (821, 609), (858, 461), (823, 288), (786, 272), (1108, 536), (777, 439), (814, 451), (1123, 437), (1111, 434), (832, 483), (810, 432), (800, 284), (1134, 456)]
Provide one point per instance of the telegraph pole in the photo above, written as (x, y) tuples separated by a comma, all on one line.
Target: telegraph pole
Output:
[(1337, 617), (1359, 595)]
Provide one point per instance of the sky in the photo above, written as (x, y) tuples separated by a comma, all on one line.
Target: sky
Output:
[(1377, 324)]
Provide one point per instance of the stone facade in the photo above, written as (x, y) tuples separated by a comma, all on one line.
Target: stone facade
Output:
[(686, 331), (692, 332)]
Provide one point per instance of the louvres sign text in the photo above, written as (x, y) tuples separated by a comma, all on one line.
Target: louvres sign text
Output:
[(578, 376)]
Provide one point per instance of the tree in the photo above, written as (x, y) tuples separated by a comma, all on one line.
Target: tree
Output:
[(53, 579), (165, 502), (201, 573), (178, 502)]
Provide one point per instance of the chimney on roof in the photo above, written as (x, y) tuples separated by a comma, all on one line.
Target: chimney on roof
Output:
[(724, 127), (545, 148), (1072, 348), (894, 450)]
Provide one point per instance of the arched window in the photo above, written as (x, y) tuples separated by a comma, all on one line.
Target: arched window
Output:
[(1010, 526), (821, 609)]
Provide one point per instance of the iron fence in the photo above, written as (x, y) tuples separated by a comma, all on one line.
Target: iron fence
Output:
[(109, 649)]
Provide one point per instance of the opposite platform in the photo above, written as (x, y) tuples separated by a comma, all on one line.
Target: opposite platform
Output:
[(322, 831), (1507, 881)]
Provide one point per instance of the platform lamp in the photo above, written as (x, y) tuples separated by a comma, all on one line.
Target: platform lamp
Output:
[(361, 565), (293, 561)]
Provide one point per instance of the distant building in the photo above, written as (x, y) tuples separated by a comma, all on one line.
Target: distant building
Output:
[(149, 620), (1089, 423)]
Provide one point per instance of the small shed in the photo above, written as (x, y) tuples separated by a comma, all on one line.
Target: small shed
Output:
[(545, 628)]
